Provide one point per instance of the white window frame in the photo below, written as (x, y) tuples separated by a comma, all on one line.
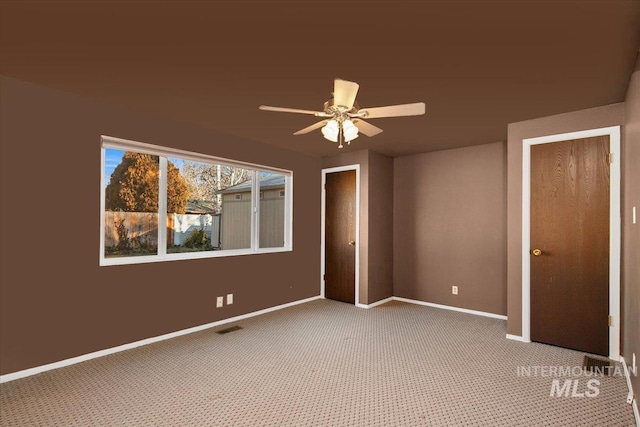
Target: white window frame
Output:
[(163, 153)]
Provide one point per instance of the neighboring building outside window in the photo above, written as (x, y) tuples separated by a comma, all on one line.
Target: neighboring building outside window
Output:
[(272, 212)]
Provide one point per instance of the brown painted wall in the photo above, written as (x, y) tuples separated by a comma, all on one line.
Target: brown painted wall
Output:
[(449, 227), (630, 231), (380, 227), (55, 301), (610, 115)]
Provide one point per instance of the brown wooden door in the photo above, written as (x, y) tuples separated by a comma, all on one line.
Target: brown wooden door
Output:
[(340, 236), (570, 226)]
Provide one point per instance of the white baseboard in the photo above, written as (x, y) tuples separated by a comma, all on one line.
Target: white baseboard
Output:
[(516, 338), (375, 304), (72, 361), (627, 375), (448, 307)]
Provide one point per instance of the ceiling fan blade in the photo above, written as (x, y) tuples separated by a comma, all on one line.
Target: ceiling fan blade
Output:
[(344, 93), (312, 127), (288, 110), (367, 128), (415, 109)]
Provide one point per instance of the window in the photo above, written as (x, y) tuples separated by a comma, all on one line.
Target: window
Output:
[(131, 204), (208, 206), (272, 210)]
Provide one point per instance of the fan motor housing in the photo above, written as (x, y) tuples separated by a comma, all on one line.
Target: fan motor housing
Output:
[(330, 108)]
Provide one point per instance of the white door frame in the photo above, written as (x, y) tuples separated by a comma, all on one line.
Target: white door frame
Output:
[(322, 227), (614, 228)]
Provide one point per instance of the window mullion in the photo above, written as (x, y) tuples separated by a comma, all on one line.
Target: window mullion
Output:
[(288, 213), (162, 207), (255, 209)]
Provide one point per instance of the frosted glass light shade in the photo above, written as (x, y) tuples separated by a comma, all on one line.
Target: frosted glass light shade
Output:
[(349, 130), (331, 130)]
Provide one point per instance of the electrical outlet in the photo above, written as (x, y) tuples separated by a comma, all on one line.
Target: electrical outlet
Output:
[(630, 398), (229, 299), (219, 302), (454, 290)]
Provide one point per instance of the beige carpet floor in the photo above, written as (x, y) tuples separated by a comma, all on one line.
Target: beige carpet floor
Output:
[(326, 363)]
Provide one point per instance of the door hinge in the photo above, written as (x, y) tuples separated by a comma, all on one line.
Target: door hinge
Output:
[(325, 186), (610, 320), (609, 158), (324, 277)]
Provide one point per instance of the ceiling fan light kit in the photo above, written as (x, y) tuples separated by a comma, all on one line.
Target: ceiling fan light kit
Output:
[(342, 116)]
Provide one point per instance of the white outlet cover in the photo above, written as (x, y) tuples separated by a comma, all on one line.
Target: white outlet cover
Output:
[(229, 299), (219, 302)]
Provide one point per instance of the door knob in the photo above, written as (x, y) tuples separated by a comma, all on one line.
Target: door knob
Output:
[(352, 242), (536, 252)]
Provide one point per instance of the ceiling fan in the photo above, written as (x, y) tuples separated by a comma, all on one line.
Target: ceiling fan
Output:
[(343, 117)]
